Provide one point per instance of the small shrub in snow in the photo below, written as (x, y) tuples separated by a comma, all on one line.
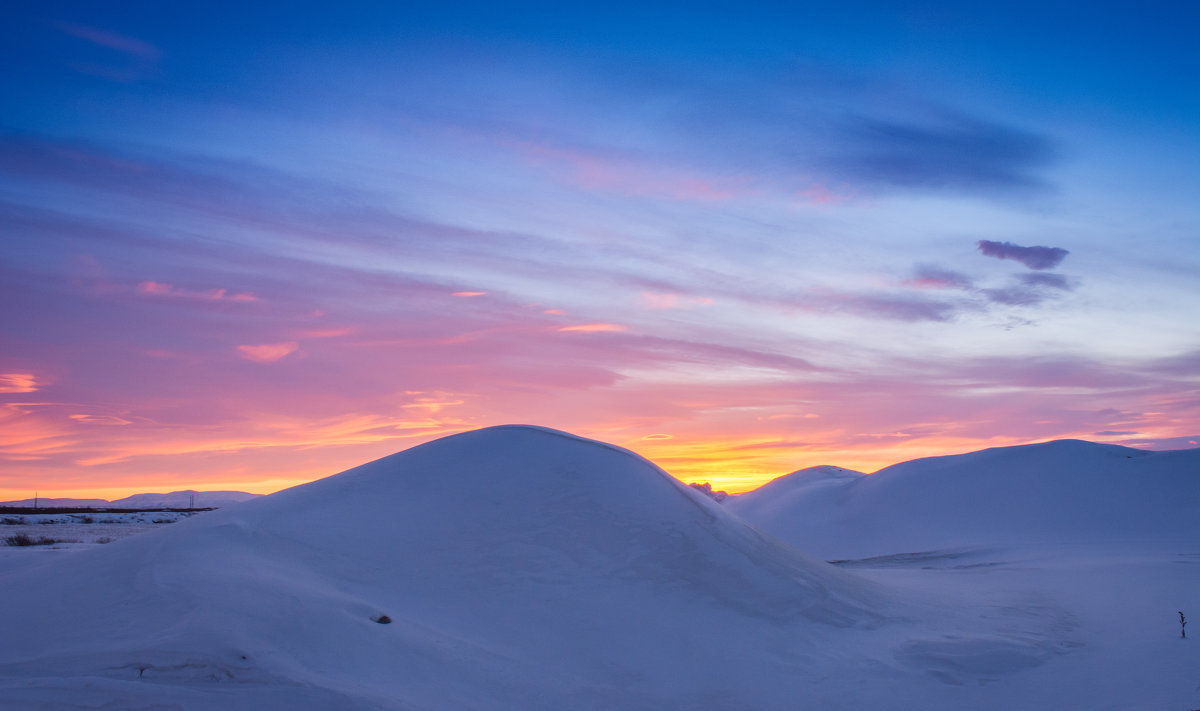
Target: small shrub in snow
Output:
[(1182, 625), (22, 539), (382, 619), (707, 490), (10, 521), (104, 539)]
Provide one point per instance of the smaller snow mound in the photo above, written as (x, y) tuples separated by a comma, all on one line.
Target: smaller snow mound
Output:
[(820, 488), (1062, 491)]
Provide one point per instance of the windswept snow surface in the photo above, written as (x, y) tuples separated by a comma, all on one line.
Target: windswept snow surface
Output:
[(1100, 543), (523, 568)]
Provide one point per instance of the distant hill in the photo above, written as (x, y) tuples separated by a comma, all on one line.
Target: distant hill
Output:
[(1061, 491), (173, 500)]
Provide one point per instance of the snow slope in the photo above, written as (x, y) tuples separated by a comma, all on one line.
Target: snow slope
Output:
[(522, 568), (1056, 492)]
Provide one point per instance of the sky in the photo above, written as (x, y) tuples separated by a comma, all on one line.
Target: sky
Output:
[(247, 245)]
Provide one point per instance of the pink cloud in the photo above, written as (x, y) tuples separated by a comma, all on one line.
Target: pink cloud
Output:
[(327, 333), (99, 419), (931, 277), (817, 194), (156, 288), (593, 328), (268, 352), (18, 383), (468, 294), (629, 175), (668, 301)]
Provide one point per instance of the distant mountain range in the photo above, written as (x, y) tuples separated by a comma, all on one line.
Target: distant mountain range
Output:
[(173, 500)]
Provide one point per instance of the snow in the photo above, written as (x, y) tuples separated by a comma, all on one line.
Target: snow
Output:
[(74, 531), (1063, 491), (525, 568)]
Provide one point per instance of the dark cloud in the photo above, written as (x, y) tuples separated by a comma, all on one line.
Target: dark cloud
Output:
[(1186, 365), (1037, 257), (894, 307), (1029, 290), (1112, 433), (944, 152), (1049, 281)]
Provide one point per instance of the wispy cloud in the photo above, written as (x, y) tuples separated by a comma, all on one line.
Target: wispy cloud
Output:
[(627, 174), (112, 40), (666, 302), (18, 383), (1049, 281), (268, 352), (1029, 290), (948, 151), (110, 55), (927, 276), (594, 328), (155, 288)]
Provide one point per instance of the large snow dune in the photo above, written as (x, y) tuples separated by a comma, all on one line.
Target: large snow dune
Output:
[(1066, 491), (521, 568)]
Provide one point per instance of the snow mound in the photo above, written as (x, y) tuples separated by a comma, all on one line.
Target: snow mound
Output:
[(1062, 491), (519, 567)]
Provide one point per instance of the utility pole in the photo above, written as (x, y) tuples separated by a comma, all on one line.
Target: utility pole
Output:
[(35, 498)]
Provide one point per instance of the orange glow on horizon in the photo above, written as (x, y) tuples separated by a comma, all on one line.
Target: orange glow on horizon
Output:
[(298, 452)]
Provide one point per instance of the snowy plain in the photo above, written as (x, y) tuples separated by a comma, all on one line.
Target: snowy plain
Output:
[(523, 568)]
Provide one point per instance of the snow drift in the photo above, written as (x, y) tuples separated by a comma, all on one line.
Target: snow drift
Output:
[(1056, 492), (520, 568)]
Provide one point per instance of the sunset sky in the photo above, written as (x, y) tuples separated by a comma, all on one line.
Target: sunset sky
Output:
[(244, 246)]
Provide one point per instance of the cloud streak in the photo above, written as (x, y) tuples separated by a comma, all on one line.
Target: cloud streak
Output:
[(1038, 258), (268, 352), (951, 151)]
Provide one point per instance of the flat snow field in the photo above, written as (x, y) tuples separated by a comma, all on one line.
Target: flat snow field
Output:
[(73, 533)]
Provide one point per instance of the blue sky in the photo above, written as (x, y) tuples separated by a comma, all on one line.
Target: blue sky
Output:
[(248, 246)]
